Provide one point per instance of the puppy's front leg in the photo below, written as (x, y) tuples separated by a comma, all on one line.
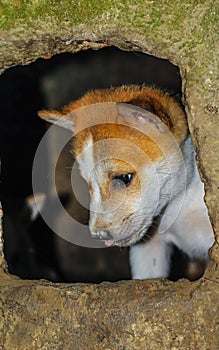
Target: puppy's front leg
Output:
[(150, 259)]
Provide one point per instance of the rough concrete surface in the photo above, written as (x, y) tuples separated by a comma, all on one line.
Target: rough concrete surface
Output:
[(126, 315)]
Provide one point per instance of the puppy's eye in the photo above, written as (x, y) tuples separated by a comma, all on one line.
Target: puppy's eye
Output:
[(125, 179)]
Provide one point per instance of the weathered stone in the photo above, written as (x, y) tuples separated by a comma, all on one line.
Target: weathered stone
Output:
[(125, 315)]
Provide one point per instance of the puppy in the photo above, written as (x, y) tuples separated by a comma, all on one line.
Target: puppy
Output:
[(134, 150)]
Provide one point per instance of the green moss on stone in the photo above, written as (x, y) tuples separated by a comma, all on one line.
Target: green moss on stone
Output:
[(150, 15), (68, 12)]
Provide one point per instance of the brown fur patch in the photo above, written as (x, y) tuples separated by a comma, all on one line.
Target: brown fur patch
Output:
[(118, 131), (153, 100), (150, 99)]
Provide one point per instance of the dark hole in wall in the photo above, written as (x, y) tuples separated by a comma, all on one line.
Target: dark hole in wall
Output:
[(31, 249)]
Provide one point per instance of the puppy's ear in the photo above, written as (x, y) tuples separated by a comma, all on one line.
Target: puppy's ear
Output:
[(137, 116), (64, 120)]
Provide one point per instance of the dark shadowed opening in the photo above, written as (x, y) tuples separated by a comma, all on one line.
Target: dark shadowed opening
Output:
[(31, 249)]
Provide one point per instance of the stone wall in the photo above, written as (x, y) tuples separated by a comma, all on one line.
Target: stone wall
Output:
[(135, 314)]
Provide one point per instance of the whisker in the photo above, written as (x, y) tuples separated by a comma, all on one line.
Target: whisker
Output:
[(163, 172)]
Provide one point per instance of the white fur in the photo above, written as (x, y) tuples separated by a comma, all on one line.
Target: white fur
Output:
[(151, 259), (85, 159), (191, 232), (171, 186), (92, 173)]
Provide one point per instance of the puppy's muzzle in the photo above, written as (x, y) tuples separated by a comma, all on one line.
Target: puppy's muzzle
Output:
[(101, 233)]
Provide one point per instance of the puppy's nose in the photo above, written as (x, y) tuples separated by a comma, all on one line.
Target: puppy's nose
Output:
[(102, 233), (101, 228)]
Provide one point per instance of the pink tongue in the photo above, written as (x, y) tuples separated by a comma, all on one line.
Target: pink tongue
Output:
[(109, 243)]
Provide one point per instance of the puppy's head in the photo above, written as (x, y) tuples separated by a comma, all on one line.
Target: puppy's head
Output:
[(122, 151)]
